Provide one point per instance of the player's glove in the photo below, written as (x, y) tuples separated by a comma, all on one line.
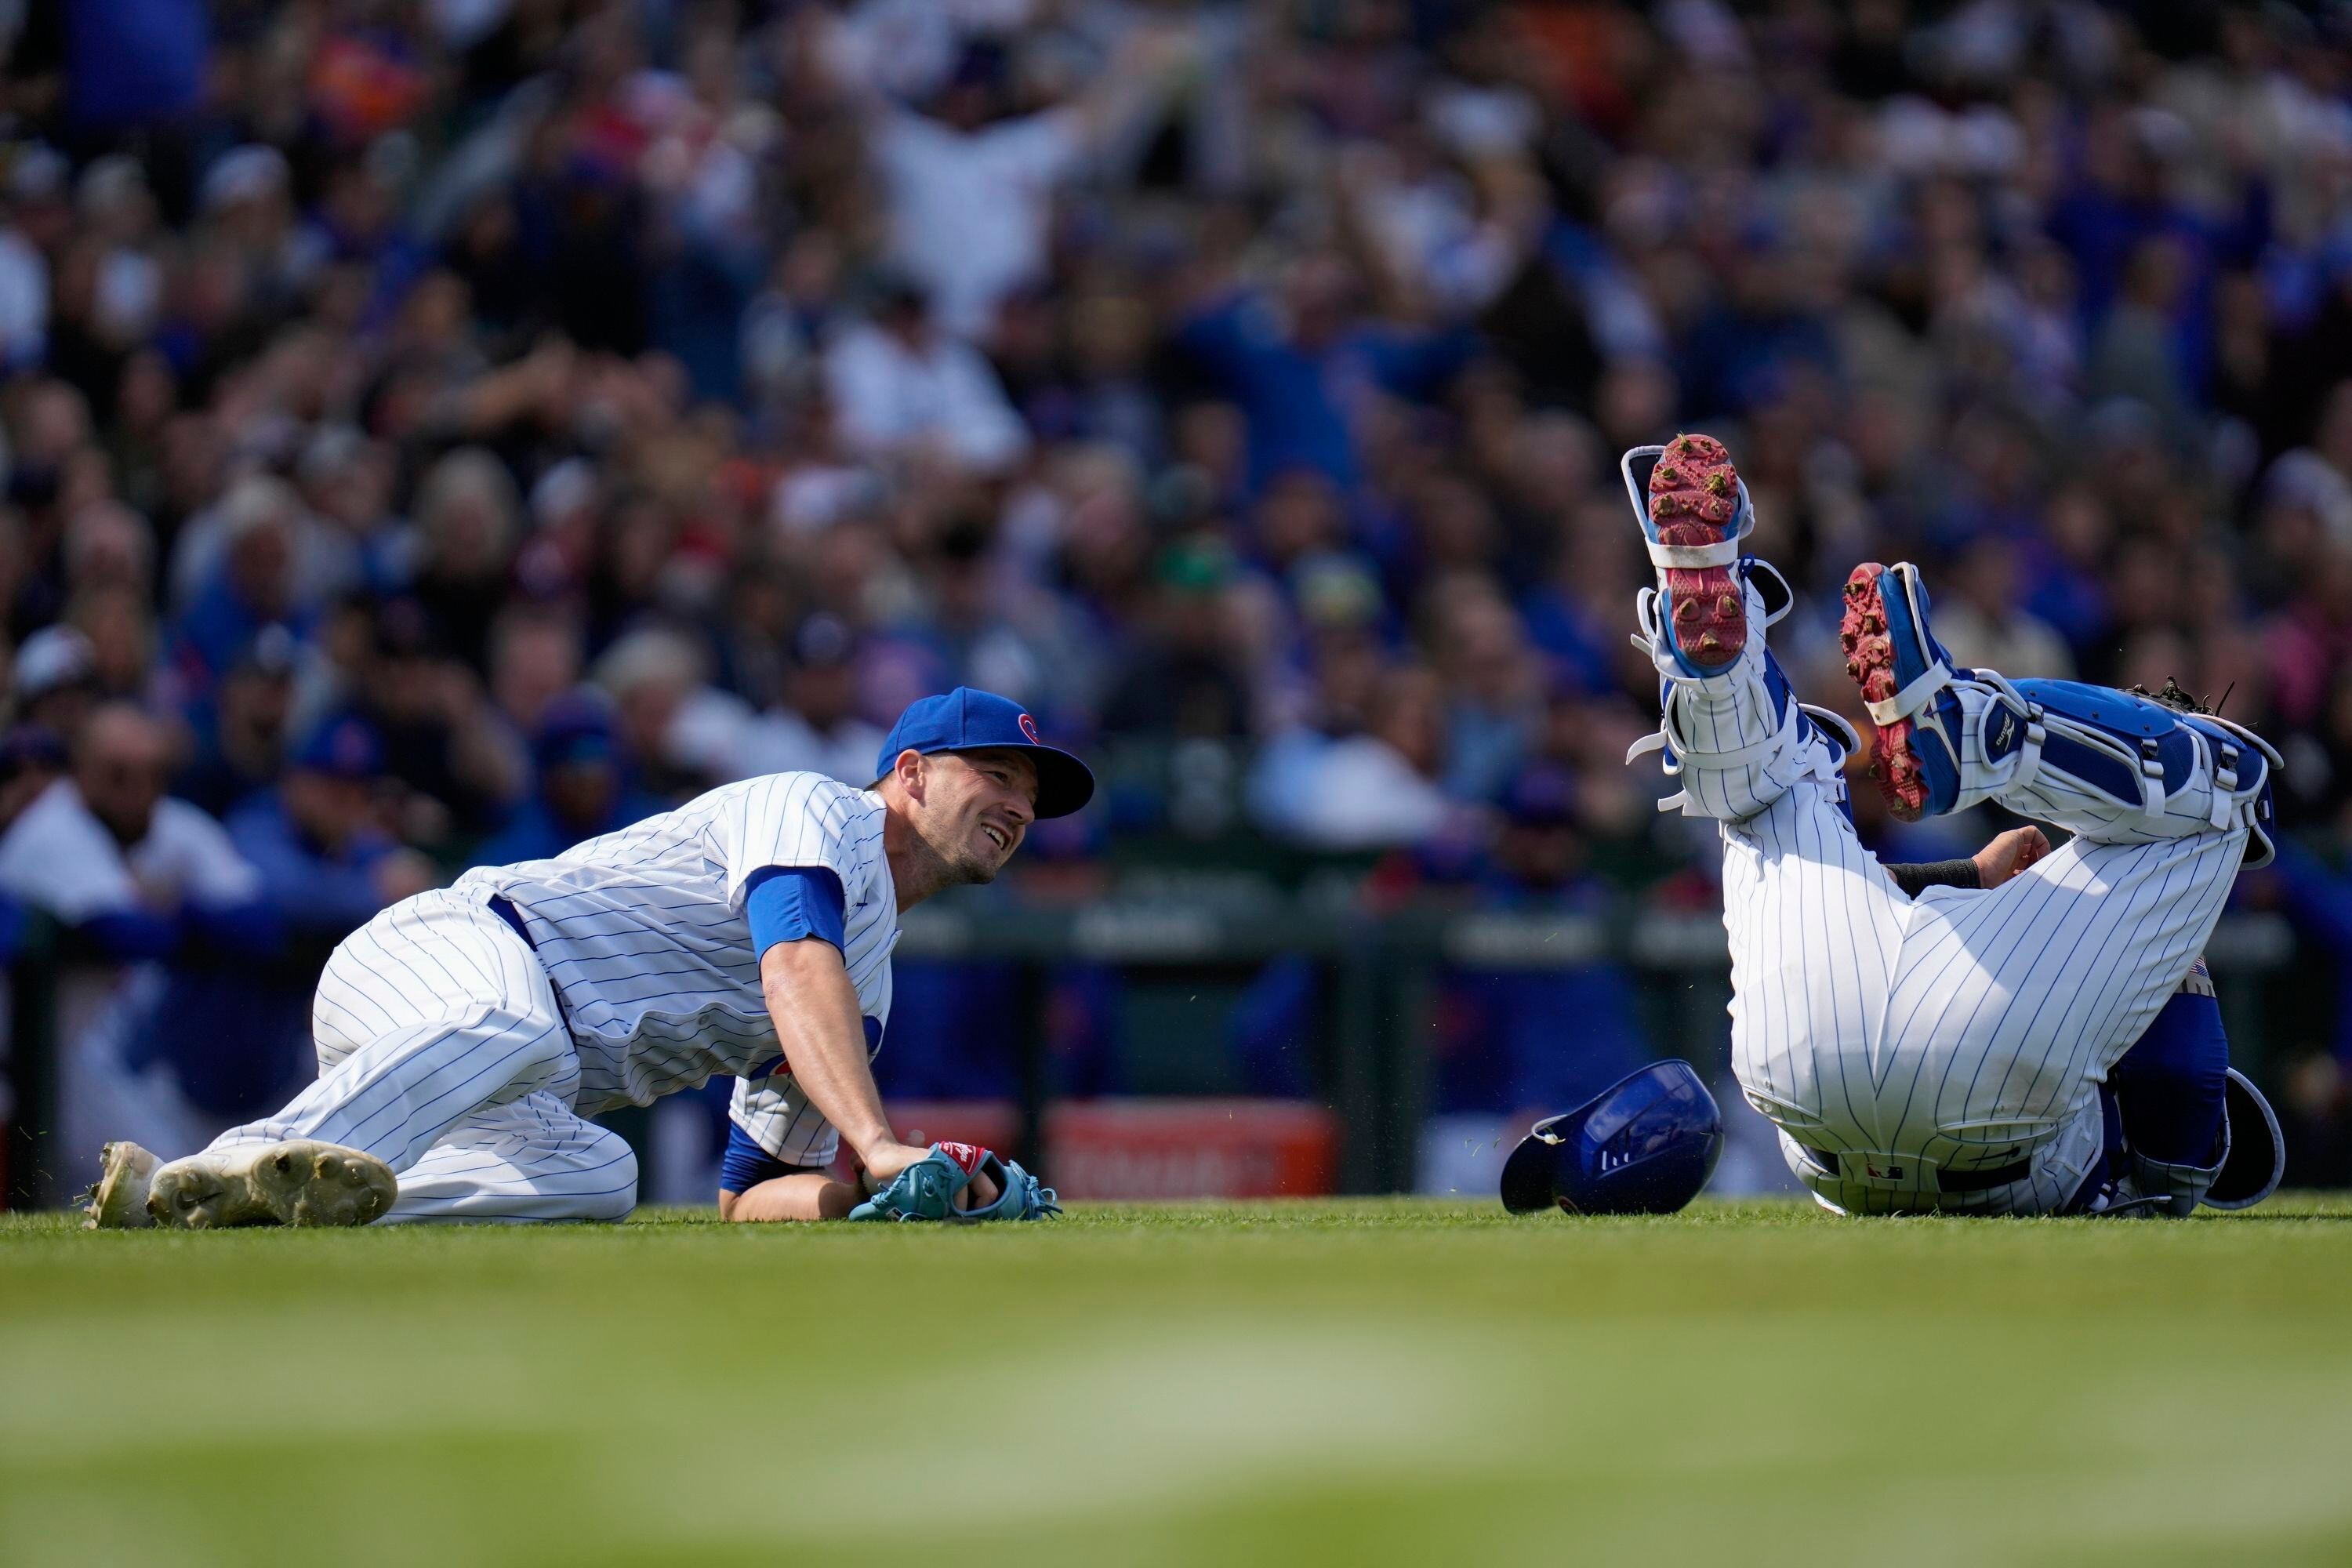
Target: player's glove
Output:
[(928, 1189)]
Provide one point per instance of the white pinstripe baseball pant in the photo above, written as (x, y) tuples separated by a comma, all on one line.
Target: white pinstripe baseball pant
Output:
[(1960, 1031), (442, 1052)]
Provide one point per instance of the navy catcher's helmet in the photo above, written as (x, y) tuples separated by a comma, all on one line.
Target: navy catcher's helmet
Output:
[(1645, 1145)]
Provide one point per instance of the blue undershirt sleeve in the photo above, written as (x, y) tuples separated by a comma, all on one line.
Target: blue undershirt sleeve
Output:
[(789, 903)]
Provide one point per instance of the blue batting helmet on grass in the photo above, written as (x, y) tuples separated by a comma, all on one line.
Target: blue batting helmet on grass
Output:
[(1646, 1144)]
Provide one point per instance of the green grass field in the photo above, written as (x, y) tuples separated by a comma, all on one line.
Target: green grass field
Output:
[(1371, 1381)]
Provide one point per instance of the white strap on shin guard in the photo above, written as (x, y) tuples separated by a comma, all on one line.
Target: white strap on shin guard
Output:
[(1912, 697), (1766, 754)]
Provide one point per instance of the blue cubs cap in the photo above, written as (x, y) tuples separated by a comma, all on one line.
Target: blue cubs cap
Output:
[(969, 721), (574, 727), (344, 747)]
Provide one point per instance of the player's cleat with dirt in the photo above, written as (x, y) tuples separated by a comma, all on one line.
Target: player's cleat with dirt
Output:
[(300, 1182), (1904, 678), (119, 1202), (1694, 513)]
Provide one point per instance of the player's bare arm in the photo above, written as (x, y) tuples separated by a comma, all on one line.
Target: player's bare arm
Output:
[(814, 1009)]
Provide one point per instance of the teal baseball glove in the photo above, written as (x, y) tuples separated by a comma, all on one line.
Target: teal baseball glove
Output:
[(928, 1189)]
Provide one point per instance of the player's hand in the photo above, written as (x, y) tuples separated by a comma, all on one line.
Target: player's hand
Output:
[(2007, 855), (885, 1159)]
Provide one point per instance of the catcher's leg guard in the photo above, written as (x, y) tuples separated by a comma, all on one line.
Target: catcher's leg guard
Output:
[(1737, 739), (2105, 764), (2170, 1089), (2188, 772)]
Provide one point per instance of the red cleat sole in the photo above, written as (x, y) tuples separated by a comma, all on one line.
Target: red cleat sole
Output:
[(1693, 494), (1869, 660)]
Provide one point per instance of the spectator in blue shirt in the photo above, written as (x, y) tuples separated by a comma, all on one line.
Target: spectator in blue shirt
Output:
[(324, 859), (1300, 367), (1537, 1039), (582, 789), (326, 867)]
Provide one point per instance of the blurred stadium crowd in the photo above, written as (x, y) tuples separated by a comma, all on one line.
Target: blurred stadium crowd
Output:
[(439, 430)]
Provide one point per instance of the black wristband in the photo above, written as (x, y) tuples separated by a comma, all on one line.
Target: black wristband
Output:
[(1916, 880)]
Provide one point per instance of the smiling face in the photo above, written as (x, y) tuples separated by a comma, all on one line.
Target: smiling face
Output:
[(972, 810)]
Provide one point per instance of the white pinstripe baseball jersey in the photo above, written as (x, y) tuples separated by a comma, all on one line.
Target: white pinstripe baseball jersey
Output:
[(644, 936)]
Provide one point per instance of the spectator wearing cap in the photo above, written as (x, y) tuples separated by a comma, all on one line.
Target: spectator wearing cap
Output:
[(240, 734), (147, 886), (318, 839), (974, 626), (1984, 625), (1184, 679), (582, 789), (56, 680), (817, 728), (1506, 1050)]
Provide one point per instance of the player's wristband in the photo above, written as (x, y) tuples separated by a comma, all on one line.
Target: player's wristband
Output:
[(1916, 880)]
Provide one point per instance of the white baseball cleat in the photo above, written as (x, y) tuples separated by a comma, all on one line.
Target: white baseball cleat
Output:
[(119, 1202), (300, 1182)]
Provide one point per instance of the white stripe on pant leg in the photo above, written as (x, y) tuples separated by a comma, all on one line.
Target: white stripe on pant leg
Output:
[(532, 1161), (468, 1025)]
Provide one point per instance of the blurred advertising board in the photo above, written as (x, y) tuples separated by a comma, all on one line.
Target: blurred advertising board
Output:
[(1157, 1148)]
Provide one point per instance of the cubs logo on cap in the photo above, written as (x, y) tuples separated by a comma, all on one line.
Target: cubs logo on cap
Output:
[(966, 719)]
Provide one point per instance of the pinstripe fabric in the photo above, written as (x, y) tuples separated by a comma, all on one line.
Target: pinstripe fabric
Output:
[(1962, 1030), (532, 1159), (643, 931), (442, 1049)]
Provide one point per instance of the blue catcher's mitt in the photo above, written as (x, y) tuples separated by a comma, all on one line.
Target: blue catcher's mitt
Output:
[(929, 1188)]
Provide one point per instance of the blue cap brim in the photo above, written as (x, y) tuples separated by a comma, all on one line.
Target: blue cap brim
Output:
[(1065, 784)]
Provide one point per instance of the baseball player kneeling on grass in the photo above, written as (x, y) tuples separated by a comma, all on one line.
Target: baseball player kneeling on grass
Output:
[(465, 1035), (2047, 1046)]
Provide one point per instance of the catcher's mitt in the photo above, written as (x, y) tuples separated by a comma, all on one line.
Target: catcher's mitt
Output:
[(929, 1188)]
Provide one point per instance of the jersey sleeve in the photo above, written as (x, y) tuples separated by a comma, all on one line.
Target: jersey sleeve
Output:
[(807, 821), (790, 903), (773, 1114)]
